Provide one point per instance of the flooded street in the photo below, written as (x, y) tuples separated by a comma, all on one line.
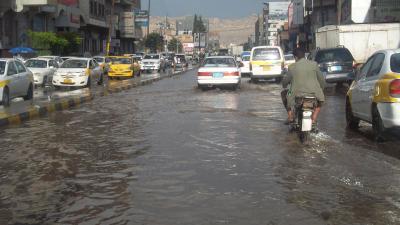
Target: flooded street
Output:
[(170, 154)]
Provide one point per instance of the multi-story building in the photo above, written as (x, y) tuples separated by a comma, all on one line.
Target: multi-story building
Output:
[(89, 18), (185, 26)]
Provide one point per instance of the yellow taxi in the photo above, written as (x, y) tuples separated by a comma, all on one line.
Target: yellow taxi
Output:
[(121, 66), (374, 96)]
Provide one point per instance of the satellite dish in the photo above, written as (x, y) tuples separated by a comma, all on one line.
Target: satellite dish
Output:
[(18, 5)]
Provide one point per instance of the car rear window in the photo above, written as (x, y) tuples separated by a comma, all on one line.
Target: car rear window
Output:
[(36, 63), (219, 62), (266, 54), (151, 57), (121, 60), (395, 63), (289, 57), (72, 63), (334, 55), (246, 58), (2, 67)]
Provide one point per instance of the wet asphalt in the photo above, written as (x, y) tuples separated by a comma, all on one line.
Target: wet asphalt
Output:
[(170, 154)]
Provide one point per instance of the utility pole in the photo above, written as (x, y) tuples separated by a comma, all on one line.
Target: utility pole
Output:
[(110, 28), (148, 18)]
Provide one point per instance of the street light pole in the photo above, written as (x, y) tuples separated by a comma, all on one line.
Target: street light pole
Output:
[(110, 28), (148, 18)]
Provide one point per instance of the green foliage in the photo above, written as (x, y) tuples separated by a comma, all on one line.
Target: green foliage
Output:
[(173, 44), (154, 42), (198, 26), (51, 43)]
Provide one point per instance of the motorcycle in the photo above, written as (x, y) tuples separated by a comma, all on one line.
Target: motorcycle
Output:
[(304, 109)]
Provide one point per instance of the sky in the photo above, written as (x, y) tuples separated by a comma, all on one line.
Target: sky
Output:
[(206, 8)]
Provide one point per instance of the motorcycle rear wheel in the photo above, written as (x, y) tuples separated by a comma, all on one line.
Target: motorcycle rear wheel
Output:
[(304, 137)]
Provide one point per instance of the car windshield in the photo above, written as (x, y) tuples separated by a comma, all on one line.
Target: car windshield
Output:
[(2, 67), (74, 63), (100, 60), (36, 63), (246, 58), (333, 55), (289, 57), (266, 54), (151, 57), (219, 62), (395, 63), (121, 60)]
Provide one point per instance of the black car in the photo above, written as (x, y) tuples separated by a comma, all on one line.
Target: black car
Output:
[(337, 64)]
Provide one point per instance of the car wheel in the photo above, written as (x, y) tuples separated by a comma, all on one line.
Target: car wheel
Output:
[(377, 125), (29, 94), (57, 87), (88, 84), (5, 101), (351, 121)]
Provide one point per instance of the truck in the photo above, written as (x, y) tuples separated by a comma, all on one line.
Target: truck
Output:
[(362, 40)]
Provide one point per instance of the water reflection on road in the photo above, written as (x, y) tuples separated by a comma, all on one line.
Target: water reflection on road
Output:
[(171, 154)]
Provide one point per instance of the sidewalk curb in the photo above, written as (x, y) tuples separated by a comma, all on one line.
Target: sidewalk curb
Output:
[(68, 103)]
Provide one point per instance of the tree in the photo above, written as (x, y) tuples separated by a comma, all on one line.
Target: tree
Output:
[(198, 25), (47, 42), (172, 45), (154, 42), (74, 42)]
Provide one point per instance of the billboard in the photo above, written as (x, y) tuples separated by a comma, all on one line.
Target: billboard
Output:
[(141, 18), (370, 11)]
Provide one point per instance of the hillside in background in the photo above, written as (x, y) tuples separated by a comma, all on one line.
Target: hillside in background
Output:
[(235, 31)]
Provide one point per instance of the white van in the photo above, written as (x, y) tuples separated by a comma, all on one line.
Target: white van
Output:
[(267, 62)]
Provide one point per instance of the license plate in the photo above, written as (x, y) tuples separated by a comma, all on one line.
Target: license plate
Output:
[(218, 75), (68, 81), (266, 68), (336, 68)]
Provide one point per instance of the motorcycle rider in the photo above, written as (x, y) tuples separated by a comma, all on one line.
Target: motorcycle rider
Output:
[(304, 78)]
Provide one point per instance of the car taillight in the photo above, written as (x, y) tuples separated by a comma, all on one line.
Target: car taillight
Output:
[(200, 74), (395, 88), (231, 73)]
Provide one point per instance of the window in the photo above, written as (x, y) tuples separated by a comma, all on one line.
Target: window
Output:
[(266, 54), (11, 69), (376, 65), (20, 67), (2, 67), (395, 63), (34, 63), (220, 62), (364, 70), (331, 55), (53, 64), (91, 7)]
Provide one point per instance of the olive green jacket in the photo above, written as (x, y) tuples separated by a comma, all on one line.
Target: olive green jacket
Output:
[(304, 77)]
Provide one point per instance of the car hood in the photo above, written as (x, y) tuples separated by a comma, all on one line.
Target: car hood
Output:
[(71, 70), (38, 70), (120, 66), (151, 60)]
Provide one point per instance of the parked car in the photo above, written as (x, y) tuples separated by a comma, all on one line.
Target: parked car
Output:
[(55, 58), (337, 64), (121, 66), (266, 62), (103, 61), (374, 96), (15, 81), (152, 62), (43, 70), (245, 70), (181, 61), (219, 71), (78, 72)]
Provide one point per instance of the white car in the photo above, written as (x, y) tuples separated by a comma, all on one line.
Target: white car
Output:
[(289, 60), (267, 62), (219, 71), (58, 59), (152, 62), (78, 72), (15, 81), (374, 96), (43, 70), (245, 70)]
